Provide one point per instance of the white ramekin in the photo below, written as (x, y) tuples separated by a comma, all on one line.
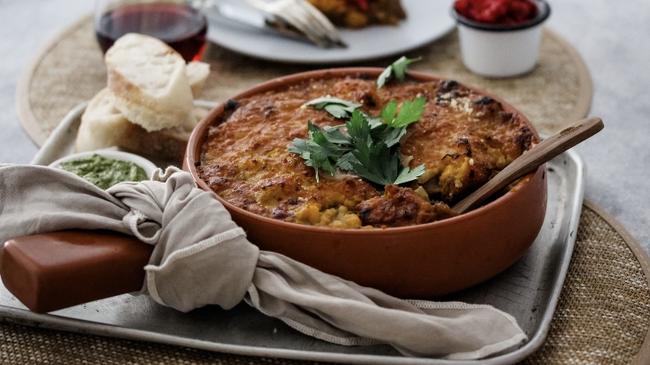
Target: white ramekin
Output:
[(501, 50)]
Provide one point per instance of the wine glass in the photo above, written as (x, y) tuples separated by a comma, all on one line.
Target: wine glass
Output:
[(176, 23)]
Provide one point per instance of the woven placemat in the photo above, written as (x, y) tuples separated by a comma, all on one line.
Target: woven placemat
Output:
[(70, 70), (602, 317)]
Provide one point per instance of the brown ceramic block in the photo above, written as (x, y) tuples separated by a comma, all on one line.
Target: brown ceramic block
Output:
[(415, 261), (51, 271)]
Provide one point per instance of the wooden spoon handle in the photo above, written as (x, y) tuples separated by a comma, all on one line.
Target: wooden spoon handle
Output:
[(531, 159)]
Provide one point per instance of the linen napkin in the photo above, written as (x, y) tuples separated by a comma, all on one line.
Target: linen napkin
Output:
[(202, 257)]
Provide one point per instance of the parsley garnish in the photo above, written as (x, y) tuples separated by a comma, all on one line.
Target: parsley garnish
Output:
[(368, 147), (323, 148), (409, 113), (338, 108), (397, 69)]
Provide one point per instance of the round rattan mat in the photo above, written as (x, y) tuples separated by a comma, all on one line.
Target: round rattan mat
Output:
[(70, 70), (602, 317)]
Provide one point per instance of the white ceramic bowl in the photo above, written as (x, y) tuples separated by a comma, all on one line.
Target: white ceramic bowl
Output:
[(146, 165), (501, 50)]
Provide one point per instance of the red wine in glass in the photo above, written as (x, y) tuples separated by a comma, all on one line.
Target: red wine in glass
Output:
[(179, 25)]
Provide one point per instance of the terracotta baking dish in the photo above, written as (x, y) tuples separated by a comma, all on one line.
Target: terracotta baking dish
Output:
[(416, 261)]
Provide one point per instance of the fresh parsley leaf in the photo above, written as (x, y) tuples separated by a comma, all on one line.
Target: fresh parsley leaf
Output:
[(390, 136), (320, 103), (368, 160), (334, 135), (408, 175), (374, 122), (345, 162), (378, 164), (338, 108), (367, 172), (373, 156), (384, 76), (368, 146), (323, 148), (338, 111), (401, 65), (312, 153), (328, 137), (397, 69), (409, 112), (341, 109), (388, 112), (358, 127)]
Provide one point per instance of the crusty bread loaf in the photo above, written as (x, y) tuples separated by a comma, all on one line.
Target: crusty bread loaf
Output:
[(149, 82), (147, 107), (197, 74), (165, 146), (101, 125)]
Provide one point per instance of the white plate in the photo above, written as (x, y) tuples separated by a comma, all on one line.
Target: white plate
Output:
[(427, 20)]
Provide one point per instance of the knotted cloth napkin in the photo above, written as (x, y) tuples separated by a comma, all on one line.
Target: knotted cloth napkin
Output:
[(202, 257)]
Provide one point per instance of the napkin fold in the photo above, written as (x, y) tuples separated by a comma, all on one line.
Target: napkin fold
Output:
[(201, 257)]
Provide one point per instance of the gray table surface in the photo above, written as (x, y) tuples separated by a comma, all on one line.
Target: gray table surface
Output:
[(611, 36)]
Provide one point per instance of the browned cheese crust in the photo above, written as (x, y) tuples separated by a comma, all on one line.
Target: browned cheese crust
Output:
[(463, 138)]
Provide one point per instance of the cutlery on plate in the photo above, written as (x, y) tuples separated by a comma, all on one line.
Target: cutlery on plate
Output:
[(295, 19), (242, 16), (303, 16)]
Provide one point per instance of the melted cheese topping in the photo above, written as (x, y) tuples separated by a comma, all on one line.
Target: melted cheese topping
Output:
[(463, 138)]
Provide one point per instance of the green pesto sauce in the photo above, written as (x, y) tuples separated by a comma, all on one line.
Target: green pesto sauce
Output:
[(105, 172)]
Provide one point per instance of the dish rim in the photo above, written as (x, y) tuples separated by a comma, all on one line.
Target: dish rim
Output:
[(199, 133)]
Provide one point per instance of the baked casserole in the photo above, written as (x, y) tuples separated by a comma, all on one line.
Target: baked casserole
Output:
[(463, 138)]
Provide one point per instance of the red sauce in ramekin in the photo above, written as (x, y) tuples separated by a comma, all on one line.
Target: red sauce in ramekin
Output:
[(498, 12)]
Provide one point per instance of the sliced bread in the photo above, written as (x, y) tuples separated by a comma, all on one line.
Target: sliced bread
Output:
[(197, 74), (103, 126), (149, 82)]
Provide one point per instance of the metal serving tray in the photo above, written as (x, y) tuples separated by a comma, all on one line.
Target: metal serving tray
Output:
[(529, 291)]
